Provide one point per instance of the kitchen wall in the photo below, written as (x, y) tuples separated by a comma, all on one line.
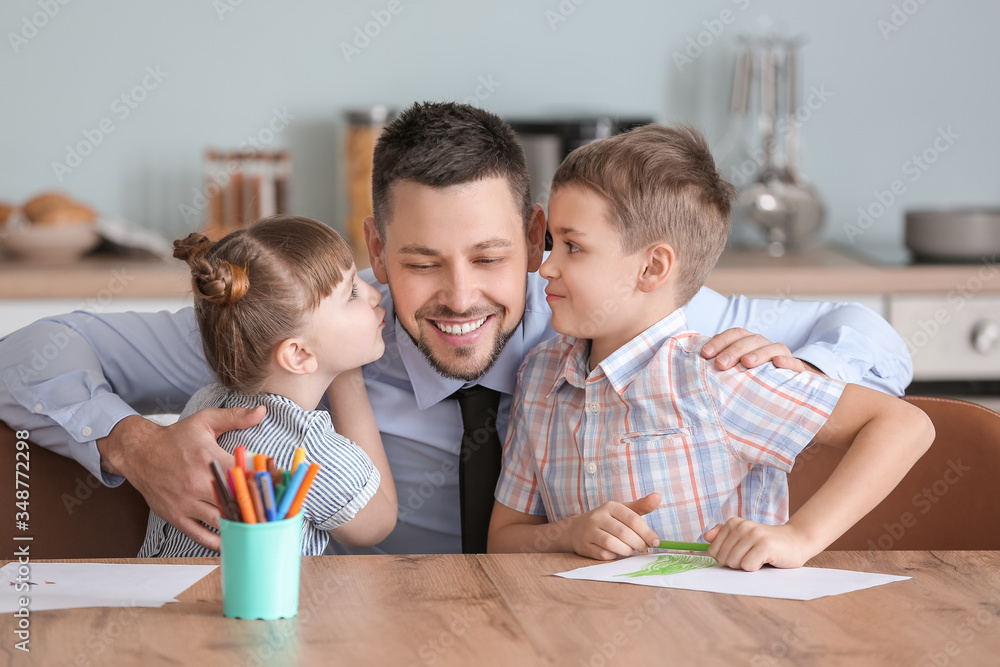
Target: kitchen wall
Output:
[(890, 78)]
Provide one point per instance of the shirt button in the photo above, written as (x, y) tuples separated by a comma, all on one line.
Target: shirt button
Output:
[(38, 407), (86, 430), (591, 468), (594, 406)]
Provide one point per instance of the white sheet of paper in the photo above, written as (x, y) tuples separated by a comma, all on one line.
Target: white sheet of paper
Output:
[(76, 585), (804, 583)]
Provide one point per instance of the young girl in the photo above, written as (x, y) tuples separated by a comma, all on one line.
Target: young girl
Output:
[(283, 319)]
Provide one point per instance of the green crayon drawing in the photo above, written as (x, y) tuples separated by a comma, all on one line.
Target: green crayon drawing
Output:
[(671, 564)]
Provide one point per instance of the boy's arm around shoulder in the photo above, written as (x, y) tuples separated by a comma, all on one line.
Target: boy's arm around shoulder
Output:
[(353, 418)]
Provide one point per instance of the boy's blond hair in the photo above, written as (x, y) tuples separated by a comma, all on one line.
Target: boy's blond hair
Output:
[(661, 185)]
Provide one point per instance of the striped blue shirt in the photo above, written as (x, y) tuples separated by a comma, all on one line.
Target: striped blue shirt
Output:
[(347, 478)]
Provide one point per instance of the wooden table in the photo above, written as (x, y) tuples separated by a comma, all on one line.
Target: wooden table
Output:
[(503, 610)]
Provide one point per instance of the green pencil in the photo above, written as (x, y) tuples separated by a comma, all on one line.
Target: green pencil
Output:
[(683, 546)]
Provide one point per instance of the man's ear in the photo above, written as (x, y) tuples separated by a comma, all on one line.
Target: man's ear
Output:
[(660, 265), (292, 356), (375, 250), (536, 238)]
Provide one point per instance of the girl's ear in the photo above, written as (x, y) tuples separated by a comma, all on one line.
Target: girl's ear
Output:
[(292, 356), (659, 267)]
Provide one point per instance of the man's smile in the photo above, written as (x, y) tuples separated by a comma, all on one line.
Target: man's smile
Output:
[(460, 328)]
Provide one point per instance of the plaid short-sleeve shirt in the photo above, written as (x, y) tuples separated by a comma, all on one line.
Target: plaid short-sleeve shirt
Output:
[(657, 417)]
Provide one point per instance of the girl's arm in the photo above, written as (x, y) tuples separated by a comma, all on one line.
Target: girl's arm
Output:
[(353, 418)]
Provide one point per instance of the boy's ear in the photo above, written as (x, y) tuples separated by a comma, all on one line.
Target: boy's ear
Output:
[(292, 356), (536, 238), (659, 267), (375, 249)]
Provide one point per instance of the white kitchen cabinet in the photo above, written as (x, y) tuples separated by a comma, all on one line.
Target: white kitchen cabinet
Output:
[(17, 313)]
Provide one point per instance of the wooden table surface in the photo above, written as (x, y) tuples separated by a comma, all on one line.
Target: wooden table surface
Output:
[(503, 610)]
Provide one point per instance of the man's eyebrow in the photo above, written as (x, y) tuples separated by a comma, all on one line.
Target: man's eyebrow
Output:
[(490, 244)]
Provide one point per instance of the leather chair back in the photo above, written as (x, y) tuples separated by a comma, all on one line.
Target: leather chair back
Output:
[(948, 500), (71, 514)]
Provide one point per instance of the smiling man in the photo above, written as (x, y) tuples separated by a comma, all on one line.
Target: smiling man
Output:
[(455, 244)]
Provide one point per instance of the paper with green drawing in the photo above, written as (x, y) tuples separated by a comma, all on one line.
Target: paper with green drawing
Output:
[(702, 573)]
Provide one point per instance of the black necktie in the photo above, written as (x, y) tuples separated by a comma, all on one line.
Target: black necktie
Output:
[(478, 464)]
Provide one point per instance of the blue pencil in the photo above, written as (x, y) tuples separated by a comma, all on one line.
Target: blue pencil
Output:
[(293, 486), (267, 494)]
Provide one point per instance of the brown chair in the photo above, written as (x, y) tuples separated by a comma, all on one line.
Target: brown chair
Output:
[(950, 499), (70, 513)]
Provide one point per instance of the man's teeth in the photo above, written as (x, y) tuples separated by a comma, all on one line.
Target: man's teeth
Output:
[(460, 329)]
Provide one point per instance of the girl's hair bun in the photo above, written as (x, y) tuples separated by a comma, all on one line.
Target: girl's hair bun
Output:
[(216, 281)]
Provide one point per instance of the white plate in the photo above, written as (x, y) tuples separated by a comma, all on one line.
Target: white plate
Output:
[(55, 244)]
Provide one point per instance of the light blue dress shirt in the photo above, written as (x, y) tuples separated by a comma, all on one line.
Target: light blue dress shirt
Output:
[(68, 380)]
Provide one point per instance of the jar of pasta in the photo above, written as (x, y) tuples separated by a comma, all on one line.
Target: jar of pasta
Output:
[(363, 129)]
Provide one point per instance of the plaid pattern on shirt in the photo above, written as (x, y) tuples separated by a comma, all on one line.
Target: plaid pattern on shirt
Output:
[(657, 417)]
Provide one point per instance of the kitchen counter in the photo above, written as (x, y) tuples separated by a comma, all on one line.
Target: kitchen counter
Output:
[(835, 270), (97, 277), (821, 271)]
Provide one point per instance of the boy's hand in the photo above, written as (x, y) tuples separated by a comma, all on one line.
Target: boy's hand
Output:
[(737, 345), (746, 545), (614, 529)]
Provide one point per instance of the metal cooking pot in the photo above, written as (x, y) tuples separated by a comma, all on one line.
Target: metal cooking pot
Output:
[(957, 235)]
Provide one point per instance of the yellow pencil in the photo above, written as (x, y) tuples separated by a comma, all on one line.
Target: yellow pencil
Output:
[(300, 456)]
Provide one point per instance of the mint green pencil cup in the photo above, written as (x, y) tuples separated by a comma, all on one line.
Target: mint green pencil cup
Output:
[(260, 568)]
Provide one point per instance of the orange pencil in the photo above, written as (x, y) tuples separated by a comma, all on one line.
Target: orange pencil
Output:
[(303, 490), (241, 457), (243, 495), (258, 502), (260, 463)]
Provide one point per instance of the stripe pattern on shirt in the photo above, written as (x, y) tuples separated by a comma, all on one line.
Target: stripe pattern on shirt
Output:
[(346, 481)]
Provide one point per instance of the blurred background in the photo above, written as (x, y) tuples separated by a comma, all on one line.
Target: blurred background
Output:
[(173, 79)]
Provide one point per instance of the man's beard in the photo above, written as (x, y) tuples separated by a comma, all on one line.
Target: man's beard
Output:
[(463, 374)]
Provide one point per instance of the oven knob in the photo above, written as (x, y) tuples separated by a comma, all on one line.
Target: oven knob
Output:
[(985, 335)]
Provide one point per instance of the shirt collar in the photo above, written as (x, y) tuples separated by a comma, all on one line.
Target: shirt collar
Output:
[(622, 365)]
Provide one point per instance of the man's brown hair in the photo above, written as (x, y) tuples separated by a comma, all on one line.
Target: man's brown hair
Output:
[(443, 143), (254, 287), (661, 185)]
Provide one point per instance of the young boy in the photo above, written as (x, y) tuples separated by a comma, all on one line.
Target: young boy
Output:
[(621, 417)]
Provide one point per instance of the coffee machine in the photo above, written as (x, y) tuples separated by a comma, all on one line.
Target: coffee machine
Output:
[(547, 141)]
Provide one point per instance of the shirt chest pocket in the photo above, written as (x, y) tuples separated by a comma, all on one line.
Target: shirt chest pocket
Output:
[(663, 461)]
